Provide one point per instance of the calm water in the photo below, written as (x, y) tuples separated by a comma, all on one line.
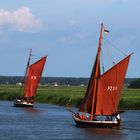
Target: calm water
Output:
[(45, 122)]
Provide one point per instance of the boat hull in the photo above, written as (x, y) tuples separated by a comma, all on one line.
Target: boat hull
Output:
[(96, 124), (22, 104)]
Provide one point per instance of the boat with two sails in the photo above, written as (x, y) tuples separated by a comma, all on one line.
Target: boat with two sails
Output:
[(99, 107), (31, 81)]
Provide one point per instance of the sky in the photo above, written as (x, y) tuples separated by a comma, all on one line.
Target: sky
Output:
[(67, 31)]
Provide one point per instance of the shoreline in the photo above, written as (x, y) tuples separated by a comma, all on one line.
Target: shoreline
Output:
[(69, 96)]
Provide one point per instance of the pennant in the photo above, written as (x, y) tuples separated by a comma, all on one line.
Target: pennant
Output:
[(106, 31)]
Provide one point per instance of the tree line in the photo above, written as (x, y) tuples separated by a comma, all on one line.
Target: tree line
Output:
[(45, 80), (129, 82), (135, 84)]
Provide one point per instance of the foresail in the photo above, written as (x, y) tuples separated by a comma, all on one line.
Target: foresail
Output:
[(109, 89), (86, 104), (33, 77)]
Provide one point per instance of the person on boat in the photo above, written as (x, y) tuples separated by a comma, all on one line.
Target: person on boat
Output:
[(28, 100), (87, 117), (81, 117), (111, 117), (107, 118), (118, 118), (24, 99), (31, 100), (18, 99), (94, 118), (78, 115)]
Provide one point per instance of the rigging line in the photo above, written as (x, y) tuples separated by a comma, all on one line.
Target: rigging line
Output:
[(115, 47), (109, 55), (35, 57), (102, 61)]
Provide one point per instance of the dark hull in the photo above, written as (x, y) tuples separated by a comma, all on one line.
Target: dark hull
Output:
[(96, 124), (21, 104)]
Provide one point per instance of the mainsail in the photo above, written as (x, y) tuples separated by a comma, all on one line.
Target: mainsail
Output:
[(33, 77), (109, 88)]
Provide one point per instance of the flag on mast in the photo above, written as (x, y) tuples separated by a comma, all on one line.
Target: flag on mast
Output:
[(106, 31)]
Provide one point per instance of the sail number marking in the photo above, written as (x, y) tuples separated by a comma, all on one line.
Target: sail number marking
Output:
[(112, 88), (33, 77)]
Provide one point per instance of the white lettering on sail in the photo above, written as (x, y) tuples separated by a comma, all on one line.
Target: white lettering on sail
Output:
[(33, 77), (112, 88)]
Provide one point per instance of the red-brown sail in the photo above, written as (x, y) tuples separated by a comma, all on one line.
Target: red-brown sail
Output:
[(103, 94), (33, 77), (109, 88), (86, 105), (90, 97)]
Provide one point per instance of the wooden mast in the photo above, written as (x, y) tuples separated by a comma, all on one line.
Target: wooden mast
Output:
[(25, 76), (28, 63), (96, 74)]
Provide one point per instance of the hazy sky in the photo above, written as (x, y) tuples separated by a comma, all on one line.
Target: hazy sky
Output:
[(67, 31)]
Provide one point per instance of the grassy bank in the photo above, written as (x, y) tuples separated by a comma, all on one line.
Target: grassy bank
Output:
[(68, 96)]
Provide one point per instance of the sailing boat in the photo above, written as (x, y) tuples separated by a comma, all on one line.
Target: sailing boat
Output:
[(31, 81), (99, 107)]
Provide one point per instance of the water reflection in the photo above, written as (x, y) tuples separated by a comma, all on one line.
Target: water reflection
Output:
[(54, 122), (32, 111), (102, 131)]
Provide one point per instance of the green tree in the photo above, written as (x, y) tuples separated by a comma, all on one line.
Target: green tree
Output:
[(135, 84)]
